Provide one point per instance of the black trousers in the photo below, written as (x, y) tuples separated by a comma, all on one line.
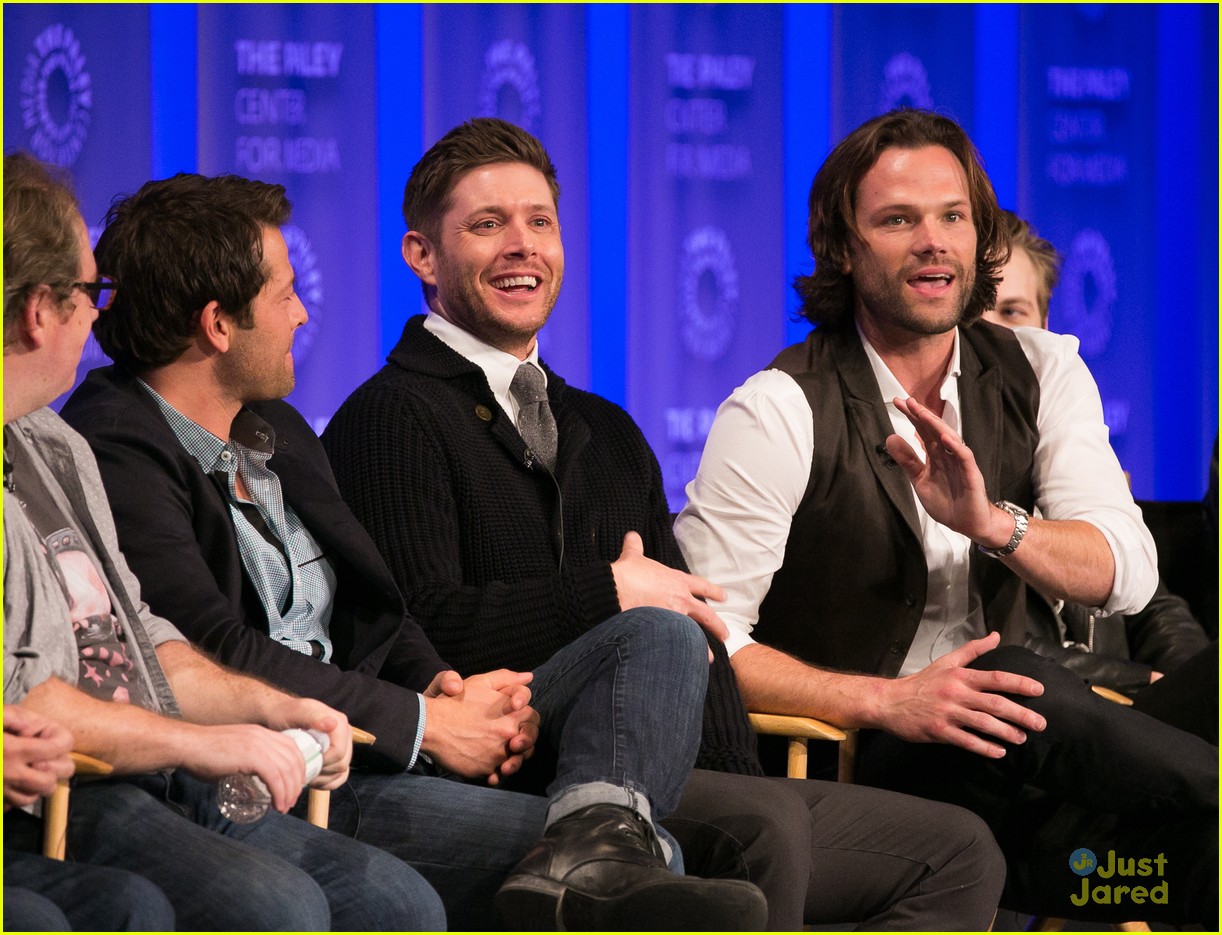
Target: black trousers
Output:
[(826, 853), (1101, 776)]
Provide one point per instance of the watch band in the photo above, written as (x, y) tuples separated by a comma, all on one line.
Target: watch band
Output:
[(1021, 518)]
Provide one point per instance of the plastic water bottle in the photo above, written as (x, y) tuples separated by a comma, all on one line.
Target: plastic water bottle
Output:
[(244, 798)]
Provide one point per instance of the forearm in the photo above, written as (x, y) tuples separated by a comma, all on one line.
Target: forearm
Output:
[(1069, 559), (129, 738), (774, 683), (210, 694)]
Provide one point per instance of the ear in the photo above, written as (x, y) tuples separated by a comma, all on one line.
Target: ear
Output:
[(215, 327), (36, 314), (418, 254)]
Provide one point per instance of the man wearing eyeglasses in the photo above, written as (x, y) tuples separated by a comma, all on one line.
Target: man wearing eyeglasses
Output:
[(82, 648)]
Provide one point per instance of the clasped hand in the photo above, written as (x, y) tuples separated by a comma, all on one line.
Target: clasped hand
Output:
[(481, 726)]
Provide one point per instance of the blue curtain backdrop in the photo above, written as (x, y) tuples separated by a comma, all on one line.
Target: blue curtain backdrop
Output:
[(285, 96), (685, 137), (706, 277)]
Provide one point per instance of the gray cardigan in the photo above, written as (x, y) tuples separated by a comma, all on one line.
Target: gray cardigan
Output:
[(38, 638)]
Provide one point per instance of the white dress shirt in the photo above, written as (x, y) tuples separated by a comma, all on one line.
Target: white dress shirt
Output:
[(499, 367), (756, 465)]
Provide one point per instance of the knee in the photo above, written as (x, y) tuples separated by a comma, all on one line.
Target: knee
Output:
[(27, 911), (144, 906), (1056, 679), (971, 845), (671, 634), (772, 827), (264, 903), (398, 899)]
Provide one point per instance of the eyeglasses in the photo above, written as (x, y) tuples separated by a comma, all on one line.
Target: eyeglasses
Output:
[(101, 294)]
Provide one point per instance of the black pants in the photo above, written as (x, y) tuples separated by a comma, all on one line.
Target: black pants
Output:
[(1100, 776), (827, 853)]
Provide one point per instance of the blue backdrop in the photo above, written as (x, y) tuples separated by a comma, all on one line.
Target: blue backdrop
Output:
[(686, 137)]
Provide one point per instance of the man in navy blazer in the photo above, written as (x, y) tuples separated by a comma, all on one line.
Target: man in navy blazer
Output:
[(228, 512)]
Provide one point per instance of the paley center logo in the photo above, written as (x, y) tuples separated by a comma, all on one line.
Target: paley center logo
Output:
[(1087, 312), (1085, 864), (708, 293), (905, 83), (510, 88), (308, 285), (56, 96)]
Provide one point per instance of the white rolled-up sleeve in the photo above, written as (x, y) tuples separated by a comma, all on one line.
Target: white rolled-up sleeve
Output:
[(752, 477), (1077, 474)]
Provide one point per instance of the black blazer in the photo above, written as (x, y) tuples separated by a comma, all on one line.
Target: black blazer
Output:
[(176, 533)]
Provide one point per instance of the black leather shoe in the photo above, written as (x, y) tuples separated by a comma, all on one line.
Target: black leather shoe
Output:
[(602, 868)]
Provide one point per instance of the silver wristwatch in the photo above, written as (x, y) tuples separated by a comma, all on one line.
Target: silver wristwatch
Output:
[(1021, 517)]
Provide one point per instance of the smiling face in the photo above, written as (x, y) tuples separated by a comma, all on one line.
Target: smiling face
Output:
[(913, 258), (259, 362), (496, 268), (1018, 294)]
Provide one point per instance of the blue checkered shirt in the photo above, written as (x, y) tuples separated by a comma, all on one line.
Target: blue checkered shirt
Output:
[(296, 584)]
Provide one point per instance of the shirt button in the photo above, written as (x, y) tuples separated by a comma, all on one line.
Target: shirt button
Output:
[(484, 413), (909, 600), (226, 455), (896, 647)]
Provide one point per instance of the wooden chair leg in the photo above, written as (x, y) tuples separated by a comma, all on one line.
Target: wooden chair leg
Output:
[(318, 803), (55, 806), (318, 808), (797, 765), (847, 756), (55, 822)]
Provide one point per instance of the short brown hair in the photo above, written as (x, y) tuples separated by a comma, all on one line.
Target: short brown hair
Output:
[(1043, 256), (481, 141), (828, 295), (41, 215), (176, 245)]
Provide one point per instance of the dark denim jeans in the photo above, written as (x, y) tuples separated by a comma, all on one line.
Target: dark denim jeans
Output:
[(44, 895), (279, 873), (621, 706)]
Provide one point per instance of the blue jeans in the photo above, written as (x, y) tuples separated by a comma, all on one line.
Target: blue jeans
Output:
[(622, 705), (44, 895), (620, 708), (464, 839), (279, 873)]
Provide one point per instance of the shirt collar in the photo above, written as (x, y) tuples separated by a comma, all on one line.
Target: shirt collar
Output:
[(248, 430), (498, 366), (891, 387)]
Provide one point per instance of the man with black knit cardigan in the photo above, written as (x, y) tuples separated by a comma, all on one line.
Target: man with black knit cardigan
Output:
[(505, 560)]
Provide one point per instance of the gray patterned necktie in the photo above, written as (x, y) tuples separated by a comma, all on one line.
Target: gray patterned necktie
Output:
[(535, 422)]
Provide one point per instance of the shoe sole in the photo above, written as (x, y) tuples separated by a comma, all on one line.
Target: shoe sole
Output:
[(684, 904)]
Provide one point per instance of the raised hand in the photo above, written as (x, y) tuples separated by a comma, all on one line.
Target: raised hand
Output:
[(948, 483)]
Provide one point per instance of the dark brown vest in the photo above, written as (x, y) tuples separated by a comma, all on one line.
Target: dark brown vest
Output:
[(851, 591)]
